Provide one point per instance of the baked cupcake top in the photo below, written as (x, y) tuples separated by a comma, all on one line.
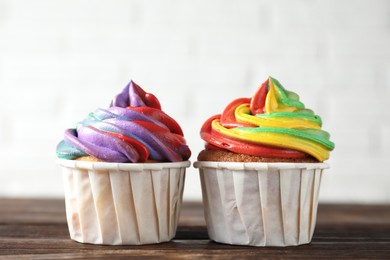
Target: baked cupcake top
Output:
[(273, 123), (133, 129)]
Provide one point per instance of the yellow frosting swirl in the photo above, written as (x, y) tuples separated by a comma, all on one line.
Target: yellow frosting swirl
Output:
[(274, 117)]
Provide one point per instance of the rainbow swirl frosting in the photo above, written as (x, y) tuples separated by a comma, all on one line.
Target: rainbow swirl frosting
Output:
[(273, 123), (133, 129)]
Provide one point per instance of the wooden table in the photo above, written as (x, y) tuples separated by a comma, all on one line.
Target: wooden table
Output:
[(37, 229)]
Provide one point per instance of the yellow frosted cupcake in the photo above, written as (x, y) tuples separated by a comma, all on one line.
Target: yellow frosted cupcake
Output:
[(261, 169)]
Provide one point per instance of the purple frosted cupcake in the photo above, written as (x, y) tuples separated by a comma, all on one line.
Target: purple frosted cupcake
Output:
[(124, 169)]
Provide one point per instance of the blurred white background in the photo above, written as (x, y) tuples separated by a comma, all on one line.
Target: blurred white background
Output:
[(60, 60)]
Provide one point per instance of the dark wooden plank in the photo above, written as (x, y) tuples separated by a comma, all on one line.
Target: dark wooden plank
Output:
[(32, 211), (342, 214), (192, 248), (36, 229)]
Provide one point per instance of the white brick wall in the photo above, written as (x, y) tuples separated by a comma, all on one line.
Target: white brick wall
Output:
[(59, 60)]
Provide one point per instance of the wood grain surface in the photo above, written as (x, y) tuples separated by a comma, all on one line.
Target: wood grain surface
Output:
[(37, 229)]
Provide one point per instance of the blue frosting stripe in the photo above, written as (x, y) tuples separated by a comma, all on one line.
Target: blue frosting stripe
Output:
[(67, 151)]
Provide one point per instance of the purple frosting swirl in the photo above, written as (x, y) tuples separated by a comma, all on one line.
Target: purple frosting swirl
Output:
[(133, 129)]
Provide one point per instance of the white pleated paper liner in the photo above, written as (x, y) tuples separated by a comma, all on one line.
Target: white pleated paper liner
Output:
[(260, 204), (123, 203)]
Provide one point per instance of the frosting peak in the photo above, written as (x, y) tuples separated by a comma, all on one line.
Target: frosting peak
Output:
[(134, 96)]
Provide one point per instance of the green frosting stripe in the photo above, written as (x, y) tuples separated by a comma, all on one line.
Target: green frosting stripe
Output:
[(295, 115), (317, 136)]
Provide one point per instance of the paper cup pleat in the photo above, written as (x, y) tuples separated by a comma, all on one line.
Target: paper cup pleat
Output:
[(123, 205), (265, 205), (176, 198)]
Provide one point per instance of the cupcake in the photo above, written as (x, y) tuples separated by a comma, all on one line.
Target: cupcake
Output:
[(124, 169), (261, 169)]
